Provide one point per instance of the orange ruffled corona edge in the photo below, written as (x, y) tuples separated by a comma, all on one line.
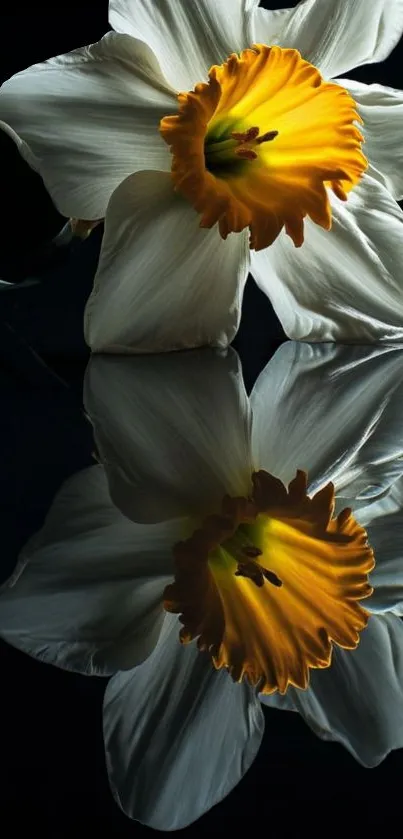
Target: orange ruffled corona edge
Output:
[(269, 584), (260, 144)]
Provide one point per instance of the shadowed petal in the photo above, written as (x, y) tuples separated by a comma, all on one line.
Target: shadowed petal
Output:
[(89, 597), (173, 431), (178, 734), (358, 701), (335, 412), (162, 282)]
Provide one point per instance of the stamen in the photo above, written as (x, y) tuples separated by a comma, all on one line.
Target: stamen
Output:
[(272, 578), (252, 571), (265, 138), (246, 154), (246, 136), (251, 551)]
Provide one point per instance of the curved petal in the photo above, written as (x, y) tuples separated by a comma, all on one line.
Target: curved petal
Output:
[(337, 35), (23, 149), (358, 701), (187, 37), (383, 520), (173, 432), (334, 412), (277, 701), (179, 735), (267, 25), (162, 282), (89, 597), (90, 118), (346, 284), (382, 111)]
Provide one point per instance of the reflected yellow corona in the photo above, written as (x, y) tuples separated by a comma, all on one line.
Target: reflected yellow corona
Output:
[(261, 143), (269, 584)]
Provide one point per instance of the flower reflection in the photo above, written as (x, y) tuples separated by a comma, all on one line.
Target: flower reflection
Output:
[(174, 435)]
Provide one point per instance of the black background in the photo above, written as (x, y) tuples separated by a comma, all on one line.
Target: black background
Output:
[(52, 773)]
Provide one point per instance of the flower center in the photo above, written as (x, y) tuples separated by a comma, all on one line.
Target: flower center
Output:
[(261, 143), (241, 145), (269, 584)]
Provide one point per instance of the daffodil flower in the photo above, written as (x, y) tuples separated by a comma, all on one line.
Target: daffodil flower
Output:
[(211, 137), (175, 436)]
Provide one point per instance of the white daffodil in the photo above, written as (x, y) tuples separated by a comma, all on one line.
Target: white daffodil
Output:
[(195, 125), (264, 586)]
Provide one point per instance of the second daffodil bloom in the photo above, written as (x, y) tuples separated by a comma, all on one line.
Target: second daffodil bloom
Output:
[(239, 584), (210, 135)]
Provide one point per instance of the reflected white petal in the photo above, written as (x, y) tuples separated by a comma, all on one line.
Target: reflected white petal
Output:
[(358, 701), (335, 412), (383, 520), (173, 432), (89, 598), (179, 735)]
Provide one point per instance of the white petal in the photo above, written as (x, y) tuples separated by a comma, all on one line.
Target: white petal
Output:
[(173, 431), (267, 25), (179, 735), (277, 701), (89, 597), (337, 35), (162, 282), (187, 36), (90, 118), (358, 701), (382, 111), (335, 412), (346, 284), (383, 520), (23, 149)]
